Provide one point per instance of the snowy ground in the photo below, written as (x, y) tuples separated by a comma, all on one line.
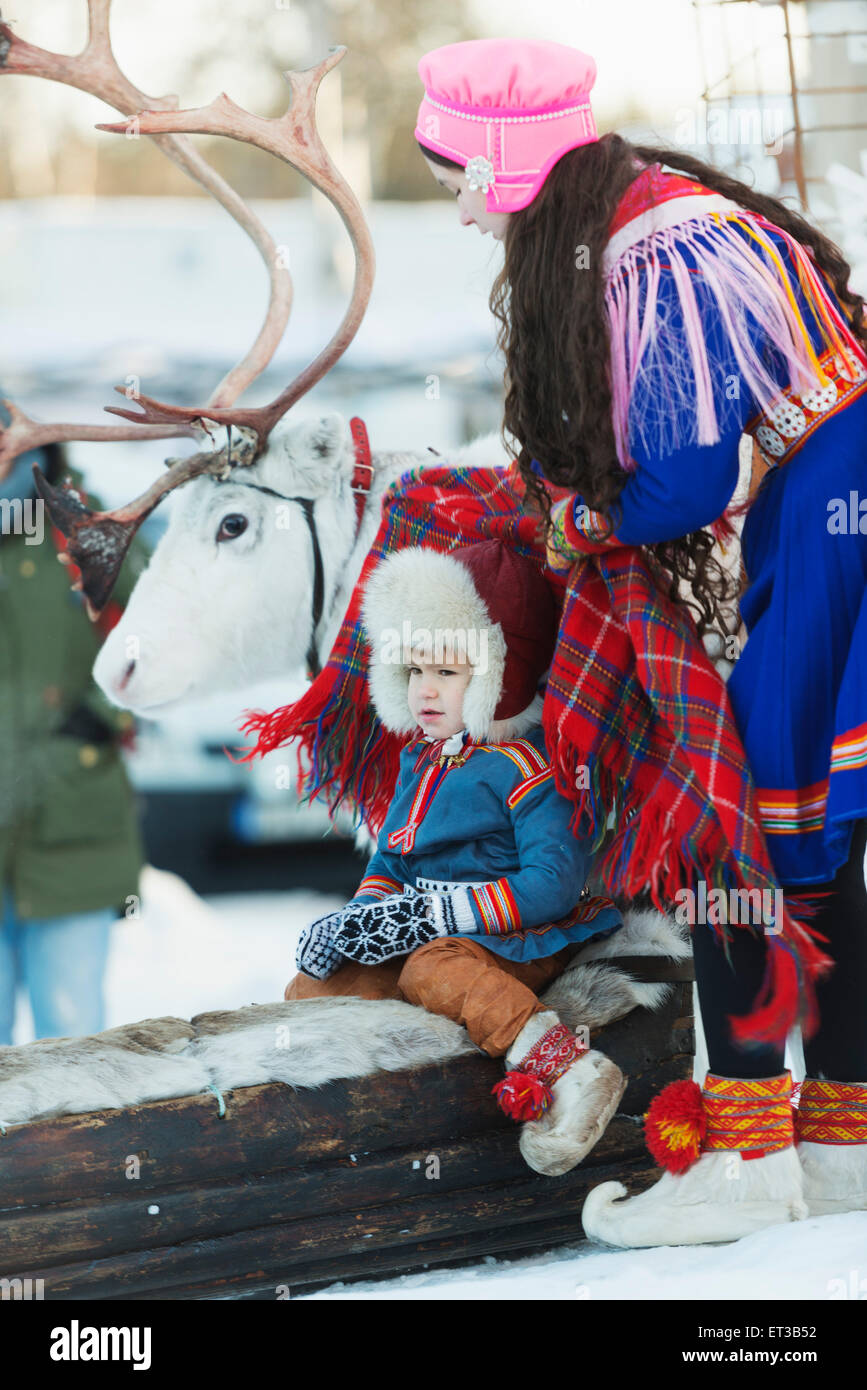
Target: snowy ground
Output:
[(185, 954), (824, 1258)]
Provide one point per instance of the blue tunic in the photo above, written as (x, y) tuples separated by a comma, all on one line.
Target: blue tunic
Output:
[(497, 825), (799, 687)]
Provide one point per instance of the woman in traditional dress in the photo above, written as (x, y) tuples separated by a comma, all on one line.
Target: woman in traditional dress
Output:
[(652, 311)]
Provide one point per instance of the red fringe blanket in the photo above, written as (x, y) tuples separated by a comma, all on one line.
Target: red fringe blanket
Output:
[(636, 717)]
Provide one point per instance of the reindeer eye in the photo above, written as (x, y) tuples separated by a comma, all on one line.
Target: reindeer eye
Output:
[(232, 526)]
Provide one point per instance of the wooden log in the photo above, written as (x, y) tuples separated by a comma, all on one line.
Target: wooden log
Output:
[(335, 1194), (95, 1229), (403, 1234), (271, 1127), (505, 1243)]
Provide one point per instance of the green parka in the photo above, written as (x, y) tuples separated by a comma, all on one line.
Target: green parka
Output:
[(69, 833)]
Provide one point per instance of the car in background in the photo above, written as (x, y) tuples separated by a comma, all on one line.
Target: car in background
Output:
[(231, 826)]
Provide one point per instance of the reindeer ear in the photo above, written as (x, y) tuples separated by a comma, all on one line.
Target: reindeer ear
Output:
[(325, 438)]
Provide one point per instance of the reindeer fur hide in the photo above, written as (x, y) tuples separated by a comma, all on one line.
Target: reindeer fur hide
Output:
[(303, 1043)]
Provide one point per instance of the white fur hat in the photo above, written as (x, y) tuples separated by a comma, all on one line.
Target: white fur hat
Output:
[(482, 603)]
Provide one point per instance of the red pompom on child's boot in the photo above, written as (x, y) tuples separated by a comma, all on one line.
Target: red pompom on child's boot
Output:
[(522, 1096), (565, 1092)]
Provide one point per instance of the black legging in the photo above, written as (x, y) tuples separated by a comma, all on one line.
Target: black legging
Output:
[(838, 1051)]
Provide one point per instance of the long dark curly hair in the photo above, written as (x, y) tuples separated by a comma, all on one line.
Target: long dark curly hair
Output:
[(554, 337)]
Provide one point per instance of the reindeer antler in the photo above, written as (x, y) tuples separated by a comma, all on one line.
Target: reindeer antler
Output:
[(95, 70), (99, 541), (294, 138)]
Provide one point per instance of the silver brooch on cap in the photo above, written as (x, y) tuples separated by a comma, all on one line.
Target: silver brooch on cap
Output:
[(480, 173)]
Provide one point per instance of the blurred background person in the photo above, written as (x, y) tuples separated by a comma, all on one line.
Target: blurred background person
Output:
[(70, 846)]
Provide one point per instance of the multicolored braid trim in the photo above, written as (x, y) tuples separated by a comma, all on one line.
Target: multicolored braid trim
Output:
[(832, 1112), (377, 886), (752, 1116), (525, 1093), (496, 905)]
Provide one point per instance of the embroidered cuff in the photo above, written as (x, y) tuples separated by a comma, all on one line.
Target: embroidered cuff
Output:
[(582, 523), (376, 887), (557, 541), (494, 907)]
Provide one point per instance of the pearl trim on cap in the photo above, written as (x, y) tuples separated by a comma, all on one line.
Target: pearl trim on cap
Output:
[(543, 116)]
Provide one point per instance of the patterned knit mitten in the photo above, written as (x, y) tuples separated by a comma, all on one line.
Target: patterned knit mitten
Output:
[(316, 954), (374, 932)]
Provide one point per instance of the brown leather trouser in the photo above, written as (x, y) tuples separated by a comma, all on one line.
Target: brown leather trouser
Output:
[(454, 976)]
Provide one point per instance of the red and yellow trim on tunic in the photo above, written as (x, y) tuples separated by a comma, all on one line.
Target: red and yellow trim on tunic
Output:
[(526, 757), (378, 886), (527, 786), (534, 768), (404, 838), (831, 1112), (585, 910), (496, 906), (781, 431), (799, 810)]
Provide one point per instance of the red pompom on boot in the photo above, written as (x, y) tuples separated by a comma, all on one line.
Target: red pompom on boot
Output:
[(675, 1126), (564, 1091), (731, 1128), (522, 1096)]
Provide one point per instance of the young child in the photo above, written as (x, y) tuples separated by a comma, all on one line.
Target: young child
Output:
[(470, 905)]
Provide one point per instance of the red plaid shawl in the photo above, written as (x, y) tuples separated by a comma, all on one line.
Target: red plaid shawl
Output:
[(632, 697)]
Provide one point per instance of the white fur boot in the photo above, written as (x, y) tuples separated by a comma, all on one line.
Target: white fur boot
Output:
[(830, 1114), (835, 1177), (721, 1197), (709, 1192), (584, 1099)]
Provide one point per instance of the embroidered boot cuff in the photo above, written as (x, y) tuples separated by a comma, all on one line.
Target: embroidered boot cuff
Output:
[(831, 1112)]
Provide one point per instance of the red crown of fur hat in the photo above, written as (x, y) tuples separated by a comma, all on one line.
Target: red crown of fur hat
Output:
[(518, 597)]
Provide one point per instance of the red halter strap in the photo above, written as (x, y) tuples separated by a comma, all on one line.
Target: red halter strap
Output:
[(359, 483)]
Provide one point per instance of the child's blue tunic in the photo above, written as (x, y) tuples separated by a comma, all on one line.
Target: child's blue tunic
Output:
[(799, 687), (509, 843)]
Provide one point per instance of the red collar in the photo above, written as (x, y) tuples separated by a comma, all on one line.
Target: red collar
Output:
[(359, 483), (650, 188)]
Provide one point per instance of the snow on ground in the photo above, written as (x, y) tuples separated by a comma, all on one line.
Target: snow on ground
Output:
[(187, 954), (116, 286), (823, 1258)]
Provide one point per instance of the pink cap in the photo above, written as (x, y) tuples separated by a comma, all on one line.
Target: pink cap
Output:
[(507, 110)]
